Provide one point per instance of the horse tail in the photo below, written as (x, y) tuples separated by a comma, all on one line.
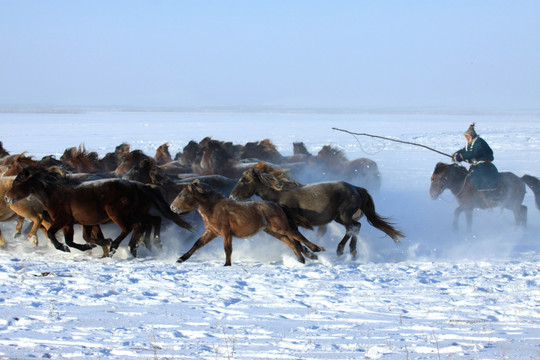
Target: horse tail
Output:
[(295, 219), (161, 205), (367, 206), (534, 184)]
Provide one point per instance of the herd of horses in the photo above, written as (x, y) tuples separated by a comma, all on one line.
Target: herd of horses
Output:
[(213, 178)]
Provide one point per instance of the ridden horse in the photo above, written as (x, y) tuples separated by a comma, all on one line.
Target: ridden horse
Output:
[(335, 165), (227, 218), (320, 203), (509, 194), (68, 202)]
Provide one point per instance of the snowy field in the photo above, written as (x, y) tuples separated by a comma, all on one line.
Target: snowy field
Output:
[(441, 294)]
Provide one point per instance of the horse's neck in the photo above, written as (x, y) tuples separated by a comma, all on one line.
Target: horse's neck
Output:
[(266, 193), (206, 206), (457, 184)]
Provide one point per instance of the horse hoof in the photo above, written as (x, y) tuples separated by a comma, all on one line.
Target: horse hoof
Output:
[(17, 234), (179, 261), (34, 240)]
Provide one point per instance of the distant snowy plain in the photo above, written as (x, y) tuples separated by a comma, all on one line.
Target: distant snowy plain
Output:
[(441, 294)]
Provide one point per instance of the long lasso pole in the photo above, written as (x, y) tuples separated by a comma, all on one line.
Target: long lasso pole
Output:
[(399, 141)]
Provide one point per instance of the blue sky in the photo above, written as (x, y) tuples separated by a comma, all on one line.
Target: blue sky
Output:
[(459, 55)]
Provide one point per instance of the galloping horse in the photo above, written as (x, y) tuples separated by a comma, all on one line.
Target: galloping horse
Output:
[(228, 218), (29, 207), (69, 202), (320, 203), (509, 194)]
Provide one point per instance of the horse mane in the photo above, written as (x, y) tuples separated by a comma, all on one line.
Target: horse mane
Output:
[(122, 149), (277, 179), (443, 167), (331, 153), (203, 188), (150, 167), (3, 152), (51, 175)]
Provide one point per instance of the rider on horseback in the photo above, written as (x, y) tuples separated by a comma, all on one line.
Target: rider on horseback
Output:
[(484, 175)]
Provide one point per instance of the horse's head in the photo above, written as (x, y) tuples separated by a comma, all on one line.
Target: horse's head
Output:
[(246, 186), (446, 176), (259, 178), (192, 195), (214, 157), (25, 183), (132, 159)]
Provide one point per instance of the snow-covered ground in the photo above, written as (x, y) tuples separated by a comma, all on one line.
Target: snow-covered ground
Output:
[(441, 294)]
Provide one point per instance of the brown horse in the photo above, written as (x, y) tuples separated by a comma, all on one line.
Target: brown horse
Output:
[(509, 194), (228, 218), (33, 209), (68, 202), (319, 203), (30, 208)]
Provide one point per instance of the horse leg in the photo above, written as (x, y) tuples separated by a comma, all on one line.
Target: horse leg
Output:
[(342, 243), (203, 240), (352, 228), (32, 235), (93, 234), (2, 240), (152, 222), (227, 246), (520, 215), (295, 245), (355, 229), (457, 212), (468, 218), (68, 237), (51, 234), (138, 230), (19, 227)]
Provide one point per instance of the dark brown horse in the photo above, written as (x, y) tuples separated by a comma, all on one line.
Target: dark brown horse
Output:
[(509, 194), (68, 202), (319, 203), (228, 218)]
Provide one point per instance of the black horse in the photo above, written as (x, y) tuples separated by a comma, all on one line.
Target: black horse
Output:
[(509, 194), (319, 203)]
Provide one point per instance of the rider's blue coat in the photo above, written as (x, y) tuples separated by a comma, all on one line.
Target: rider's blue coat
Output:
[(479, 155)]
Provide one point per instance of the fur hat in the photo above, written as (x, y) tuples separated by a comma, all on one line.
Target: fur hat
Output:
[(470, 132)]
